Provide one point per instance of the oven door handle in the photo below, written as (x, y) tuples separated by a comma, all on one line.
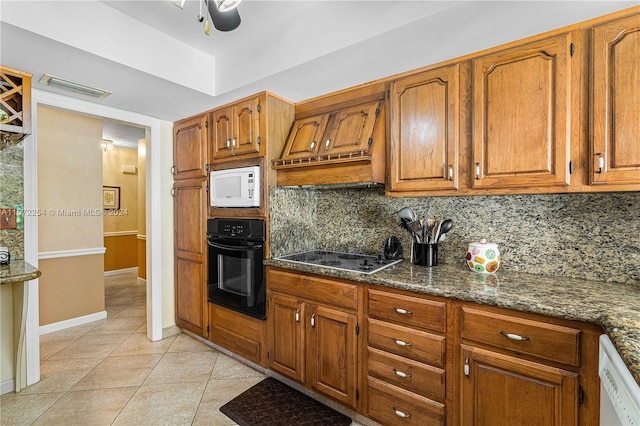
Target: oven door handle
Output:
[(234, 248)]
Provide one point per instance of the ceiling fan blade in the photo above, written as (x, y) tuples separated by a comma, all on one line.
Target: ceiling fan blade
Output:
[(223, 21)]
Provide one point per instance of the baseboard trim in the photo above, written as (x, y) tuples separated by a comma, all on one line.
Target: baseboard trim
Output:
[(7, 386), (61, 325), (120, 271)]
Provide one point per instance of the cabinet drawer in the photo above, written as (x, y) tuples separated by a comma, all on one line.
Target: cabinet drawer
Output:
[(547, 341), (236, 343), (391, 405), (411, 375), (241, 334), (408, 310), (407, 342), (335, 293)]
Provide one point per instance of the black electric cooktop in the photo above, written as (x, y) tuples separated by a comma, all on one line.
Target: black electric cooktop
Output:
[(352, 262)]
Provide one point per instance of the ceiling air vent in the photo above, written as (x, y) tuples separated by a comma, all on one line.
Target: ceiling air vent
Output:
[(62, 83)]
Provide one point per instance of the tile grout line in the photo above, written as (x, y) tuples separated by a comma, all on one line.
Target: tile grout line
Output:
[(205, 387)]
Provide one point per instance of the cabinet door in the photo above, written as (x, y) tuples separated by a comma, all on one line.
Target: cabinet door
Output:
[(190, 255), (190, 138), (350, 129), (498, 389), (222, 133), (425, 121), (305, 137), (246, 127), (286, 336), (332, 353), (521, 113), (615, 111)]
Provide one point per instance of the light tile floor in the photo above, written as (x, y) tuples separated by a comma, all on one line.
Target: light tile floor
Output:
[(108, 373)]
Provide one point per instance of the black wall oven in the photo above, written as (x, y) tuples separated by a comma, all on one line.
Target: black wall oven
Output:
[(236, 276)]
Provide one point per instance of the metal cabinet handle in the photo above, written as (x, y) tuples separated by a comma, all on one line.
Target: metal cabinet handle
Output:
[(326, 144), (298, 315), (402, 374), (233, 142), (450, 172), (401, 413), (313, 144), (402, 311), (477, 170), (313, 320), (402, 343), (514, 336), (466, 367), (173, 170), (600, 162), (228, 143)]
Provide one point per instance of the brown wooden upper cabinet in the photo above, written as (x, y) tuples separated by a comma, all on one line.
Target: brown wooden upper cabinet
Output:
[(305, 136), (615, 119), (190, 138), (521, 116), (236, 130), (350, 129), (425, 127), (345, 131)]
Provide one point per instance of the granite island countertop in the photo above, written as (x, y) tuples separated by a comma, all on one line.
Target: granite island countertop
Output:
[(613, 306), (18, 271)]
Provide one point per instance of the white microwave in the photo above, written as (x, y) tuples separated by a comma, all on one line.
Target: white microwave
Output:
[(235, 187)]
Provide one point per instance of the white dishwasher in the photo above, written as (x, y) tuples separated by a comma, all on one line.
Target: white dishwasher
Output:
[(619, 392)]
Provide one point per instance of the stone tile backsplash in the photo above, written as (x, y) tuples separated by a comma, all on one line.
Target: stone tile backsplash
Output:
[(590, 236), (11, 194)]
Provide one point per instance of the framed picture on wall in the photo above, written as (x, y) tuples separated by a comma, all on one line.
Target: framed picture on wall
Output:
[(111, 197)]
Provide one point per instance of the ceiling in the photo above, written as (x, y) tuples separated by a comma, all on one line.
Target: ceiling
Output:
[(156, 60)]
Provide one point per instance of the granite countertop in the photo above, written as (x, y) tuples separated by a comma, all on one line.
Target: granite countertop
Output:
[(18, 271), (613, 306)]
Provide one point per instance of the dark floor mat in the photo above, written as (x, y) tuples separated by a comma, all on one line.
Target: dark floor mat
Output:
[(273, 403)]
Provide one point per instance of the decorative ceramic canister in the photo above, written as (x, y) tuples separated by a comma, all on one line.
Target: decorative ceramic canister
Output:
[(483, 257)]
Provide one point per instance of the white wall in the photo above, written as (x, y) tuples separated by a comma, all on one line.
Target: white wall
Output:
[(168, 292), (157, 188)]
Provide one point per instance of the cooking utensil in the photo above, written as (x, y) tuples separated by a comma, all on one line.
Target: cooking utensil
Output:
[(446, 226), (435, 233), (428, 230), (441, 228), (414, 228), (403, 224), (406, 213)]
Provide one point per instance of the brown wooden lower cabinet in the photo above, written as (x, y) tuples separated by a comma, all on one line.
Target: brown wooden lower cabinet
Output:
[(499, 389), (241, 334), (392, 405), (286, 336), (312, 338), (520, 368), (468, 364), (406, 358), (190, 266)]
